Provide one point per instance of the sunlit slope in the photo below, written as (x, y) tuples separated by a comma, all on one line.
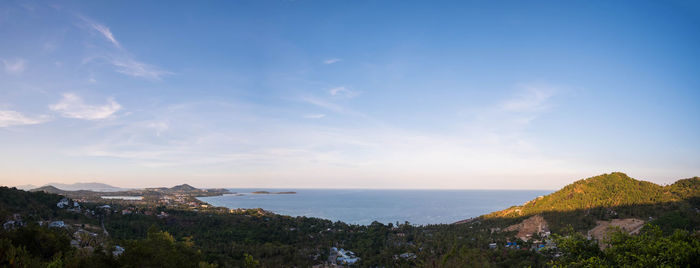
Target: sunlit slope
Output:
[(606, 191)]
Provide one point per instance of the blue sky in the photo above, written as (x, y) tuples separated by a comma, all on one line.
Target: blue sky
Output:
[(359, 94)]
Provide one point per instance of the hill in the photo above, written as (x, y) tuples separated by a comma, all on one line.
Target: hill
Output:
[(37, 203), (72, 194), (175, 236), (48, 189), (183, 188), (86, 186), (26, 187), (610, 196)]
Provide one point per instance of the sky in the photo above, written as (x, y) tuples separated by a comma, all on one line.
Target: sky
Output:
[(348, 94)]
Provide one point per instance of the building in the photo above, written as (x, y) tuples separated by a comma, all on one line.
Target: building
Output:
[(408, 256), (57, 224), (63, 203), (117, 251), (9, 225), (342, 256)]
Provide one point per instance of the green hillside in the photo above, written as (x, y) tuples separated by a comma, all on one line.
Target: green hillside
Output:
[(610, 196)]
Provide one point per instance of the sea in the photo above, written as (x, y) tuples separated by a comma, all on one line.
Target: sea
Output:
[(362, 206)]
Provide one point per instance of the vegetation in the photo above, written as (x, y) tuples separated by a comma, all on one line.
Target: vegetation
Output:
[(157, 235), (612, 196), (648, 249)]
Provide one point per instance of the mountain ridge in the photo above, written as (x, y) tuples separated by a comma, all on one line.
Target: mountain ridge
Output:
[(84, 186)]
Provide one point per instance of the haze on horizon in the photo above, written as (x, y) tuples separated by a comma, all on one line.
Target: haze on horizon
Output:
[(348, 94)]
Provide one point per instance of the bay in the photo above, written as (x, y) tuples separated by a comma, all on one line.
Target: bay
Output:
[(363, 206)]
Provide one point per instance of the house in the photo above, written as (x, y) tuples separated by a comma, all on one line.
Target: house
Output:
[(346, 257), (512, 245), (117, 251), (342, 256), (408, 256), (493, 246), (8, 225), (57, 224), (63, 203)]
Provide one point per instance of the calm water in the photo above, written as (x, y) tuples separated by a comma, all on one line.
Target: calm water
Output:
[(123, 197), (364, 206)]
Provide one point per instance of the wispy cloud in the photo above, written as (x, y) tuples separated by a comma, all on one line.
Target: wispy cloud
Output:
[(14, 118), (315, 116), (124, 62), (72, 106), (16, 66), (331, 61), (104, 30), (342, 92), (135, 68)]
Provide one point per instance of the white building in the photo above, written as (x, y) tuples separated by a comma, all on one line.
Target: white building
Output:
[(57, 224), (63, 203), (117, 251)]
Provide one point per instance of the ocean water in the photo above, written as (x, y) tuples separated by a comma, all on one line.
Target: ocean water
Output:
[(355, 206)]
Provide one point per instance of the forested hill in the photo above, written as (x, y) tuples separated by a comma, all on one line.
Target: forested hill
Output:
[(38, 203), (607, 190), (611, 196)]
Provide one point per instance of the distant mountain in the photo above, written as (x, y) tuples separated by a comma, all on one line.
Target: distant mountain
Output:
[(26, 187), (183, 188), (86, 186), (48, 189), (72, 194)]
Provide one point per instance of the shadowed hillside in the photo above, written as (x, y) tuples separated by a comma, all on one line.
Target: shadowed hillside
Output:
[(37, 203)]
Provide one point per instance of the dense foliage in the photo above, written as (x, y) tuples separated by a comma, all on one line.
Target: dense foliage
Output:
[(160, 236), (611, 196), (39, 204), (648, 249)]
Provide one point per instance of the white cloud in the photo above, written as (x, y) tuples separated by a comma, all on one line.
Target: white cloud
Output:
[(132, 67), (72, 106), (14, 118), (16, 66), (104, 30), (122, 60), (331, 61), (315, 116), (342, 92)]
